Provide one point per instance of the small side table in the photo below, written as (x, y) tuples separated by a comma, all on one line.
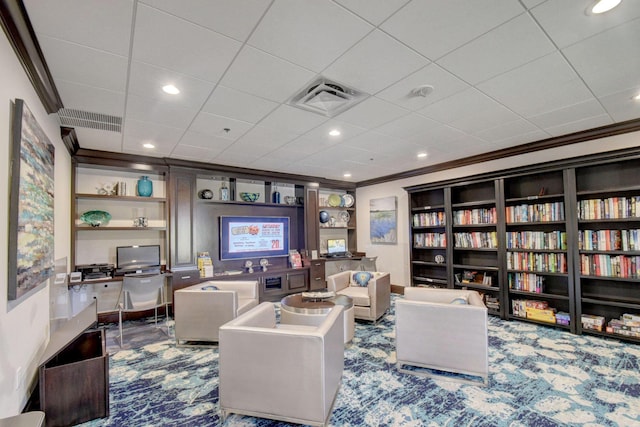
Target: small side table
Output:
[(297, 310)]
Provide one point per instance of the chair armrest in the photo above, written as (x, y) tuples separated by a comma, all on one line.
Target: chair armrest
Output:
[(380, 293), (338, 281), (244, 288)]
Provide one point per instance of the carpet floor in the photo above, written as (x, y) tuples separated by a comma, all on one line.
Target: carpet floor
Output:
[(539, 376)]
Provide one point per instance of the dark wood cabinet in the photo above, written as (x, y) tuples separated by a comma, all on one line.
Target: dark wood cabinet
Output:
[(317, 279), (182, 188)]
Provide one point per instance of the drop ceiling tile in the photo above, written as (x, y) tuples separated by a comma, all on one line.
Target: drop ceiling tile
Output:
[(435, 28), (444, 84), (374, 63), (579, 125), (188, 48), (469, 111), (270, 139), (201, 140), (378, 143), (137, 133), (439, 136), (292, 119), (77, 21), (508, 46), (238, 105), (545, 84), (321, 133), (507, 130), (89, 98), (269, 163), (621, 106), (408, 126), (374, 11), (80, 64), (529, 4), (212, 125), (567, 23), (568, 114), (93, 139), (147, 81), (310, 34), (158, 111), (265, 75), (189, 152), (515, 140), (233, 18), (371, 113), (295, 150), (606, 61)]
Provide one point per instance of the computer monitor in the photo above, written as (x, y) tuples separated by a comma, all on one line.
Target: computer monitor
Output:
[(138, 259), (336, 247)]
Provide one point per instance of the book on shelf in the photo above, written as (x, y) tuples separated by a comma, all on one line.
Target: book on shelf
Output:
[(295, 259)]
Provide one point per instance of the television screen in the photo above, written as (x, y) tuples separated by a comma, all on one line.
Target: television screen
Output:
[(138, 259), (244, 237), (336, 247)]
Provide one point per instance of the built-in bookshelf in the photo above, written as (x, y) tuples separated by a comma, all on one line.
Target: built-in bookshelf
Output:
[(608, 266), (555, 244)]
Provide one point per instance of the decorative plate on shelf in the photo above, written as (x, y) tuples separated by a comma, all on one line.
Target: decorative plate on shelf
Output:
[(334, 200), (347, 200), (95, 218), (344, 216)]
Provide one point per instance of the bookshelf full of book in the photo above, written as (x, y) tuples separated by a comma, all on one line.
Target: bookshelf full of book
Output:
[(429, 239), (555, 244), (538, 288), (475, 256), (608, 244)]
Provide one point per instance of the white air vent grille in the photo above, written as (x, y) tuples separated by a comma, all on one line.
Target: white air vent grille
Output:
[(86, 119), (327, 98)]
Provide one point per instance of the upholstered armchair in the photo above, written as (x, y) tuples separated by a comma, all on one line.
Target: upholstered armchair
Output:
[(283, 372), (370, 291), (201, 309), (443, 330)]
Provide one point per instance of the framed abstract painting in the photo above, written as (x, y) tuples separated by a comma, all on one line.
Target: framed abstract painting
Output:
[(383, 222), (31, 239)]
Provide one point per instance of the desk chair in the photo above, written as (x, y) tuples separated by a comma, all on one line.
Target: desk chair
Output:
[(140, 293), (368, 263)]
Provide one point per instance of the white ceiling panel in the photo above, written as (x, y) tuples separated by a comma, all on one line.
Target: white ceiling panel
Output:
[(265, 75), (443, 82), (372, 112), (504, 48), (88, 98), (618, 67), (435, 28), (506, 73), (81, 64), (312, 34), (188, 48), (102, 25), (567, 22), (374, 63), (233, 18), (238, 105), (147, 81), (548, 83)]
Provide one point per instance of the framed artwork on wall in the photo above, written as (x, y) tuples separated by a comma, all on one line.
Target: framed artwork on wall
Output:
[(383, 222), (31, 240)]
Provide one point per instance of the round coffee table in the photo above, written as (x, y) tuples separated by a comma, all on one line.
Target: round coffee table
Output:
[(295, 309)]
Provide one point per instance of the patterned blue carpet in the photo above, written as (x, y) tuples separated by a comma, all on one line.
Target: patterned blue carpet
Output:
[(539, 376)]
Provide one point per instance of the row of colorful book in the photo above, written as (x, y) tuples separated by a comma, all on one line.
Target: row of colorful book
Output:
[(475, 216), (621, 266), (546, 262), (539, 212), (609, 208), (539, 311), (554, 240), (429, 240), (476, 239), (424, 219), (528, 282), (609, 240)]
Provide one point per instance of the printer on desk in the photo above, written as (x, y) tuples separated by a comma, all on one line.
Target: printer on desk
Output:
[(96, 271)]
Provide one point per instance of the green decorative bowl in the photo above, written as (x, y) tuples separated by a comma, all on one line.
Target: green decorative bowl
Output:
[(249, 197), (95, 218)]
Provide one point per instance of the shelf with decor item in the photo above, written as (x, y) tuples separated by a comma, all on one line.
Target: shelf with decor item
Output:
[(336, 218), (608, 246), (236, 190)]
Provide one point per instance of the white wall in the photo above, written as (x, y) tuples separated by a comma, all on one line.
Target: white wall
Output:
[(24, 331), (395, 258)]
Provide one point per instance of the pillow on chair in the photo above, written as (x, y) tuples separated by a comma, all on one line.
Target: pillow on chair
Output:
[(209, 288), (461, 300), (361, 278)]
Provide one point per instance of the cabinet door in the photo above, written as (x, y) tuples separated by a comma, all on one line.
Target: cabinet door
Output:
[(317, 279), (297, 281), (181, 236)]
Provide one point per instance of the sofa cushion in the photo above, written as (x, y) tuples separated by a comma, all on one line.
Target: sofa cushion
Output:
[(209, 288), (361, 278), (359, 295)]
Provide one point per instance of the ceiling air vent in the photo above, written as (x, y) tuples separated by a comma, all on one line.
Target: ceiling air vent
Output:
[(327, 98), (86, 119)]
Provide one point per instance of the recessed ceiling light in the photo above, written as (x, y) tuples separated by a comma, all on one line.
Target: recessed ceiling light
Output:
[(334, 132), (602, 6), (148, 145), (637, 97), (422, 155), (171, 89), (347, 175)]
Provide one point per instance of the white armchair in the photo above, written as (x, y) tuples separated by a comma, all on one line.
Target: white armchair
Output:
[(283, 372), (371, 301), (434, 333), (200, 310)]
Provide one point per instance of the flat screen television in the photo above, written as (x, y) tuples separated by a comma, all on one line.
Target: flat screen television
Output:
[(138, 259), (243, 237), (336, 247)]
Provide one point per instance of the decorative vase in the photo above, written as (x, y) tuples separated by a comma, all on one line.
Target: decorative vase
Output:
[(145, 187)]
